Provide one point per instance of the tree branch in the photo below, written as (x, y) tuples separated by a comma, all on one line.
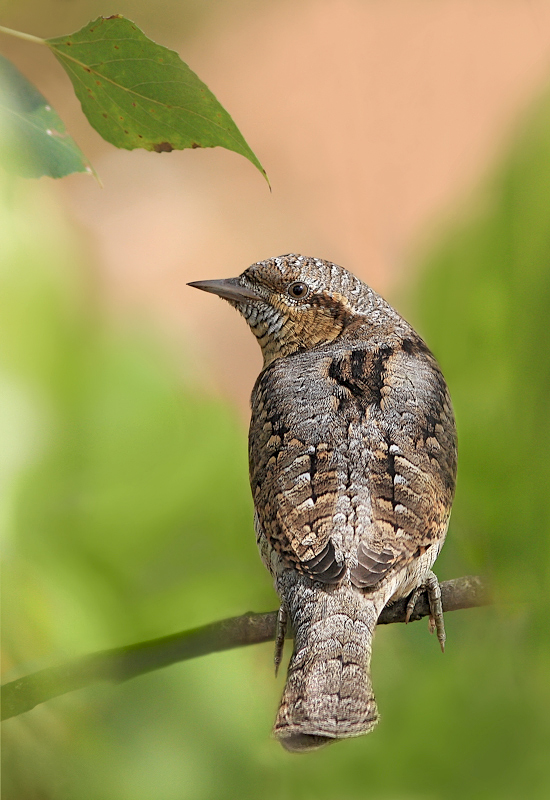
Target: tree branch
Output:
[(123, 663)]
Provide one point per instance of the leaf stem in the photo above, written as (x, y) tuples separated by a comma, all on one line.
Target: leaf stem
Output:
[(20, 35)]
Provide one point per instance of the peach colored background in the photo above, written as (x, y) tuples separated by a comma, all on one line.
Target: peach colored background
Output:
[(372, 119)]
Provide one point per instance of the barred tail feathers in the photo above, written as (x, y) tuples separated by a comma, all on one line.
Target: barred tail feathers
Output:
[(328, 693)]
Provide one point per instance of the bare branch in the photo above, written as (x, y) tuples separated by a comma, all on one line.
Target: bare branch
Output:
[(123, 663)]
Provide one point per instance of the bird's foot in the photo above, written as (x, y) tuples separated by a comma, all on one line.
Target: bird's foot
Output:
[(280, 632), (436, 621)]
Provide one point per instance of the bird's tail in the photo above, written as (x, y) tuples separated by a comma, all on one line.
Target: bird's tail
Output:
[(328, 693)]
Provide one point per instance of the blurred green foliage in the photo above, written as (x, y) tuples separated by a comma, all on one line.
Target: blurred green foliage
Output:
[(126, 515), (34, 139)]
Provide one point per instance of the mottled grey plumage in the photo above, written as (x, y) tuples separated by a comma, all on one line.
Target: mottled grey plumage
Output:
[(352, 467)]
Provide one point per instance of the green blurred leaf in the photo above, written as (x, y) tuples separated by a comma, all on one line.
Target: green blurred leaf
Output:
[(136, 93), (33, 139)]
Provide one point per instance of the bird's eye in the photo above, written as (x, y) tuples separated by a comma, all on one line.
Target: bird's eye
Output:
[(298, 290)]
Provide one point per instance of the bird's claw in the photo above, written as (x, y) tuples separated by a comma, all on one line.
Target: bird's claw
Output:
[(412, 602), (436, 621), (280, 632)]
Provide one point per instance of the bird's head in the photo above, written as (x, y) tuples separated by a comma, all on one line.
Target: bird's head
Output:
[(294, 303)]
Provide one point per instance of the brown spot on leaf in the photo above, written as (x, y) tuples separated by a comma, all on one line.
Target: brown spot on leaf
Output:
[(68, 44), (163, 147), (87, 69), (134, 105), (117, 47), (105, 115), (98, 83), (194, 145)]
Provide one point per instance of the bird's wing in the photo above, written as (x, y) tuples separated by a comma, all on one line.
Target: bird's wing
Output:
[(404, 418), (293, 468)]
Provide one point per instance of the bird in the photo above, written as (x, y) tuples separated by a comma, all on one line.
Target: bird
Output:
[(352, 463)]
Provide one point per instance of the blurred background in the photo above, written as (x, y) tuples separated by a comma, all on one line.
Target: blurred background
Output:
[(408, 141)]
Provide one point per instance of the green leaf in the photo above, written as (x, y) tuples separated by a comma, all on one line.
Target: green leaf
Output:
[(136, 93), (33, 139)]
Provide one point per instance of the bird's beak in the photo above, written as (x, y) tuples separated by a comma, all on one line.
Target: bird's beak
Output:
[(228, 288)]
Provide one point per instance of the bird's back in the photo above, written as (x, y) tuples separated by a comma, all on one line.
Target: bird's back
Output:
[(353, 456)]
